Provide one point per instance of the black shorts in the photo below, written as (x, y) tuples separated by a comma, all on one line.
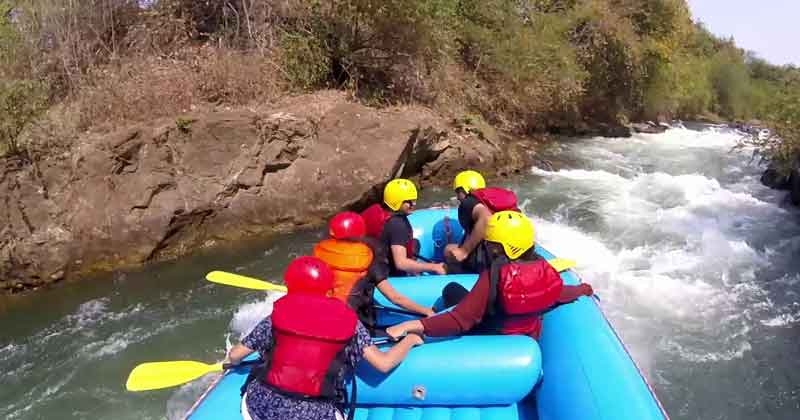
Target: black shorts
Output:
[(476, 262)]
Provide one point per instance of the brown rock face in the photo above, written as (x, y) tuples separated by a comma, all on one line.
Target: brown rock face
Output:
[(156, 191)]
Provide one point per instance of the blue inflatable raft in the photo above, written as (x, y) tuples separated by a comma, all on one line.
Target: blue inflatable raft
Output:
[(579, 368)]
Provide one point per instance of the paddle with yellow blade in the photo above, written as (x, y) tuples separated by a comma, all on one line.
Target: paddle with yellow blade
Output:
[(244, 282), (562, 264), (158, 375), (238, 280)]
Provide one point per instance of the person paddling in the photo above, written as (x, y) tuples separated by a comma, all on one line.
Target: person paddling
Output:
[(510, 297), (312, 342), (476, 205), (360, 264), (388, 222)]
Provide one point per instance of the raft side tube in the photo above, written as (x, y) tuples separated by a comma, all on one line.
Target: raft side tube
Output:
[(455, 372), (590, 374), (459, 377), (424, 290)]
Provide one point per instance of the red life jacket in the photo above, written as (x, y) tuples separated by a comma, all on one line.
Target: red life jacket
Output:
[(496, 199), (375, 217), (520, 293), (310, 333)]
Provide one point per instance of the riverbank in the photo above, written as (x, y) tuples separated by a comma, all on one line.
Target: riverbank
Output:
[(121, 198), (118, 199), (151, 192), (694, 260), (174, 125)]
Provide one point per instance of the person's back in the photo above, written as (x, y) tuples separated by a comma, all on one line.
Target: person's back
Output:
[(309, 339), (360, 265), (348, 257), (397, 231), (307, 357), (477, 204), (509, 297), (520, 292), (311, 342), (390, 218), (473, 195), (466, 210)]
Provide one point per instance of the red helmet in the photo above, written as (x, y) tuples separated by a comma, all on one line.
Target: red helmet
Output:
[(347, 225), (308, 275)]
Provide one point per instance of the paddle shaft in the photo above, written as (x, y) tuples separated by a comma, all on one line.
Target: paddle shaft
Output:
[(226, 366)]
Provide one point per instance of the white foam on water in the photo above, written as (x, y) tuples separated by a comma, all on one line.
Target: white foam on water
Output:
[(672, 251), (580, 175), (83, 335), (96, 331), (10, 350), (86, 317), (683, 138), (182, 400), (568, 242), (246, 317), (250, 314), (782, 320), (115, 343), (737, 351), (89, 313), (16, 373), (789, 280), (652, 277), (126, 313), (787, 249), (38, 396)]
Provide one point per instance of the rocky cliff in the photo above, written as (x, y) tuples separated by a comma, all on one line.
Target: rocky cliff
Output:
[(155, 191)]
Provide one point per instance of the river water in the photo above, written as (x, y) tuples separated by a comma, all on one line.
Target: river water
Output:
[(696, 263)]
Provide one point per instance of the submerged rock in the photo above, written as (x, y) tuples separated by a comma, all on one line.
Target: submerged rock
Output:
[(649, 128), (781, 180), (774, 179)]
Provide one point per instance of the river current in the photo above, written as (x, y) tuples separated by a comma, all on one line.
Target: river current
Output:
[(696, 263)]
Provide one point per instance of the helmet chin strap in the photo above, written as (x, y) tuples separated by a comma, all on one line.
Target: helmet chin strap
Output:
[(495, 250)]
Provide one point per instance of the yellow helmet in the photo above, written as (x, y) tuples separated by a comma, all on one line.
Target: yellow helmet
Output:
[(468, 181), (513, 230), (397, 191)]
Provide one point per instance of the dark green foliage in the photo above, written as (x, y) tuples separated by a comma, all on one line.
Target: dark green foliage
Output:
[(525, 65)]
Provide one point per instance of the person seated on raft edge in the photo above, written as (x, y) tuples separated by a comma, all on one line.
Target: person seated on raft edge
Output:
[(476, 205), (313, 342), (510, 297), (359, 265), (388, 222)]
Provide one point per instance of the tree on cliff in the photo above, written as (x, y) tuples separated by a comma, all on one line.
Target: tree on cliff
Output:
[(524, 65)]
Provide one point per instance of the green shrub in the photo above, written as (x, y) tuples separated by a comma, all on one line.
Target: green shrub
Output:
[(21, 102), (305, 60), (731, 82)]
